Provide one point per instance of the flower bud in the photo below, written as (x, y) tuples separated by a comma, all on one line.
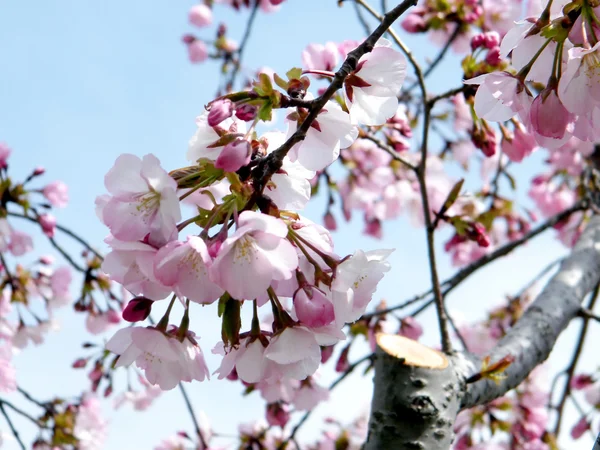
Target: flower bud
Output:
[(48, 224), (197, 51), (234, 156), (219, 111), (200, 15), (277, 414), (312, 307), (137, 309), (246, 112)]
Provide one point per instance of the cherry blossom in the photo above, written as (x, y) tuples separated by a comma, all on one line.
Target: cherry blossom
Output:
[(321, 146), (255, 255), (184, 266), (143, 200), (371, 90)]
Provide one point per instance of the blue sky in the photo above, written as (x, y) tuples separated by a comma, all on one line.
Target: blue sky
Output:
[(82, 82)]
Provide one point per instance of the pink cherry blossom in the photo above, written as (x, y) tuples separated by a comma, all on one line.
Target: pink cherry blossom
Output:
[(500, 96), (184, 267), (132, 265), (309, 395), (8, 375), (91, 428), (200, 15), (197, 51), (248, 359), (165, 360), (60, 282), (331, 131), (200, 145), (372, 89), (320, 57), (355, 282), (20, 243), (57, 193), (580, 427), (290, 187), (295, 352), (255, 255), (521, 145), (97, 323), (578, 87), (144, 200)]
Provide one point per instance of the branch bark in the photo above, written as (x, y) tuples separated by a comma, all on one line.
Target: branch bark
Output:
[(414, 405)]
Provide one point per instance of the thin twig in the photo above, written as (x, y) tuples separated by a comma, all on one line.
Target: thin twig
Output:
[(464, 273), (451, 93), (331, 387), (240, 50), (190, 409), (12, 427), (361, 18), (574, 360), (389, 150), (65, 230)]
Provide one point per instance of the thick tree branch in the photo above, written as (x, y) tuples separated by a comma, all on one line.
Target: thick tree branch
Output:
[(532, 338)]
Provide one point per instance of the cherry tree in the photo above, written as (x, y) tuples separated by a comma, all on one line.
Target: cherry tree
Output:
[(361, 125)]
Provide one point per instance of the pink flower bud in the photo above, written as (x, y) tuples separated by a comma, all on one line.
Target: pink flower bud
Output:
[(197, 51), (113, 316), (491, 39), (312, 306), (276, 2), (414, 23), (47, 260), (326, 353), (342, 363), (493, 58), (219, 111), (79, 363), (39, 171), (330, 222), (581, 381), (4, 154), (246, 112), (200, 15), (548, 115), (373, 228), (411, 329), (234, 156), (580, 427), (477, 41), (277, 414), (137, 309), (57, 193), (48, 224)]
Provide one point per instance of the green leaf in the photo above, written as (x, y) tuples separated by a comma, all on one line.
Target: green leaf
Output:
[(294, 74), (232, 322), (452, 196), (222, 302), (280, 82)]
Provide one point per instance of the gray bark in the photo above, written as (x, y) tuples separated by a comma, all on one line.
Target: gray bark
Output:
[(415, 407)]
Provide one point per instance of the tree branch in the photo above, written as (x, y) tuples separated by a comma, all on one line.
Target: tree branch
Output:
[(240, 50), (532, 338), (12, 426), (270, 164)]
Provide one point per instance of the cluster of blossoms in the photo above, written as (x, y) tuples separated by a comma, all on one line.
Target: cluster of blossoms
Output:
[(251, 246), (224, 48)]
